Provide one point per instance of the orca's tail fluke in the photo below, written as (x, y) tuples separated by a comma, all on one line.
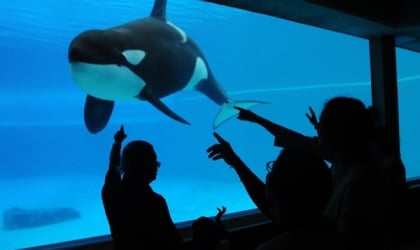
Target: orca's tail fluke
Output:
[(227, 110)]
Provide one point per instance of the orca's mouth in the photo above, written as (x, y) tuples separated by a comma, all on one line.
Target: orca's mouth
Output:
[(87, 53), (76, 55), (82, 50)]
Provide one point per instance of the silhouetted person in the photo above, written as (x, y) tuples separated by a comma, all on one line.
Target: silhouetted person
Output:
[(364, 204), (138, 217), (210, 234), (298, 186)]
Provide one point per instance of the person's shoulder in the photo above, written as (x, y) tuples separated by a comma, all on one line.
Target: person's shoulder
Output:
[(159, 197)]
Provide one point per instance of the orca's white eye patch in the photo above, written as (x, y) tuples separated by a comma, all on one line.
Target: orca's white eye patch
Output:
[(134, 56)]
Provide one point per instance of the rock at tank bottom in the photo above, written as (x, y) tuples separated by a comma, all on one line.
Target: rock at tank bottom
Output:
[(19, 218)]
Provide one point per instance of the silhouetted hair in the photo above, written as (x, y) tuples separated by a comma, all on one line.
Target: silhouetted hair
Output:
[(347, 126), (206, 233)]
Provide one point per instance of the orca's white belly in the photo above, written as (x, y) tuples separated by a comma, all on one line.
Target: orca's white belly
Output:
[(108, 82)]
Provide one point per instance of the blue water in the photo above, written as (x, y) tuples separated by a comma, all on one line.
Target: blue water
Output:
[(50, 160)]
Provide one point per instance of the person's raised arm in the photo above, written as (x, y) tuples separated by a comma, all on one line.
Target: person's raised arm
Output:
[(114, 159), (253, 185), (284, 137), (271, 127), (218, 220)]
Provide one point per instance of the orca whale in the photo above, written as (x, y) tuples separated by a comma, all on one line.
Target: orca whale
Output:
[(145, 59)]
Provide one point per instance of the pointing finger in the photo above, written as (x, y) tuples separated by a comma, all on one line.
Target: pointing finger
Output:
[(219, 138), (239, 108)]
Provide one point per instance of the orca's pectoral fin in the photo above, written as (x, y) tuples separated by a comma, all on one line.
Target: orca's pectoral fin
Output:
[(148, 96), (227, 110), (97, 113)]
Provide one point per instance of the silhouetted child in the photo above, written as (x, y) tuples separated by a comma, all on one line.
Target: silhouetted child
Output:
[(210, 234), (138, 217)]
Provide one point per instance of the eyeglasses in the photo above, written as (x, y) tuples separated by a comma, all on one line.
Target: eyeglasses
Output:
[(269, 166)]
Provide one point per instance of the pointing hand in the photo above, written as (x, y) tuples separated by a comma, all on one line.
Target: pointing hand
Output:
[(120, 135), (222, 150)]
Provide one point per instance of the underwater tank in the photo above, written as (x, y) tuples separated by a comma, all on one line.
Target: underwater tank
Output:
[(53, 168)]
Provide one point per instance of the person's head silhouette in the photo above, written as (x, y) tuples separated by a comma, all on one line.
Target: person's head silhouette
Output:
[(346, 127), (298, 186), (206, 234), (139, 160)]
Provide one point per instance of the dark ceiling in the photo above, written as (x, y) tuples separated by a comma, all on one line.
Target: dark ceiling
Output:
[(361, 18)]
